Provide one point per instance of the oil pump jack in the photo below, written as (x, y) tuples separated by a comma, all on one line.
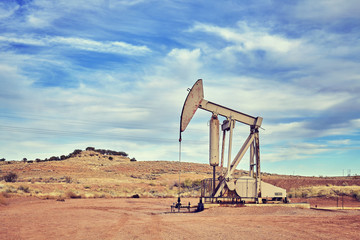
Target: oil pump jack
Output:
[(226, 188)]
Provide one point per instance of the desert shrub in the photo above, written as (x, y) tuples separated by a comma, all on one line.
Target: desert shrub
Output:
[(2, 160), (10, 189), (74, 153), (60, 199), (135, 196), (175, 184), (10, 177), (110, 152), (356, 195), (24, 188), (111, 158), (121, 153), (99, 195), (304, 194), (71, 194), (53, 158), (68, 179), (133, 160), (191, 184)]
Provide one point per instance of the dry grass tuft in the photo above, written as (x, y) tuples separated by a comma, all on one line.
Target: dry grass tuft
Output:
[(71, 194)]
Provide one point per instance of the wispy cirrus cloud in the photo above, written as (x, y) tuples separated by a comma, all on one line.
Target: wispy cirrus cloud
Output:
[(114, 47), (293, 152), (7, 9), (330, 10), (249, 39)]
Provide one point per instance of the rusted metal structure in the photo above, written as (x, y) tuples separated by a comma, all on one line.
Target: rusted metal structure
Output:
[(225, 188)]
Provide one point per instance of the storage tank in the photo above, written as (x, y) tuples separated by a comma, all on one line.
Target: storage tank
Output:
[(214, 141)]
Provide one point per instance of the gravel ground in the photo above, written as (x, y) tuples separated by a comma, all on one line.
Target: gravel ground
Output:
[(30, 218)]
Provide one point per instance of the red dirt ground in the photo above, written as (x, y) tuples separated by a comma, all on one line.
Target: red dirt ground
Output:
[(149, 218)]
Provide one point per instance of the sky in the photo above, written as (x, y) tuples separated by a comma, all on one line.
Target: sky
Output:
[(114, 75)]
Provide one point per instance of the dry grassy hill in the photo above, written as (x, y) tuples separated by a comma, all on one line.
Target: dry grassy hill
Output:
[(93, 174)]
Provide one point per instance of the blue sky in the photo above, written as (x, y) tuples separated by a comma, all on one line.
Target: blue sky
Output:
[(114, 74)]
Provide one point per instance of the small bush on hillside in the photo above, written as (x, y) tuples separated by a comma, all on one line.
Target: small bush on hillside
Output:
[(53, 158), (25, 189), (10, 177), (68, 179), (135, 196), (356, 194), (190, 184), (76, 152), (71, 194)]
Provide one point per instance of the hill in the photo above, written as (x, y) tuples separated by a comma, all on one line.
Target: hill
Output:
[(98, 173)]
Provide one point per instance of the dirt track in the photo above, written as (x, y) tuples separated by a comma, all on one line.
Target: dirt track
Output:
[(150, 219)]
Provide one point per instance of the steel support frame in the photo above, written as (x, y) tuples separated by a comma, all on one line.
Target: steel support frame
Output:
[(251, 142)]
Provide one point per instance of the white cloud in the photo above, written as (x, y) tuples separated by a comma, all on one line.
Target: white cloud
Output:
[(340, 142), (326, 10), (7, 9), (112, 3), (42, 14), (116, 47), (40, 21), (184, 63), (269, 98), (355, 123), (248, 39), (294, 152), (29, 41), (13, 84), (100, 46)]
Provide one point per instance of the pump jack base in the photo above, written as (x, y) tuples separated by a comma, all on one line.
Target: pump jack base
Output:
[(206, 203)]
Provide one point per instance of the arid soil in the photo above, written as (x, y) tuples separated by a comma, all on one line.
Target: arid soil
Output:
[(149, 218), (88, 196)]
